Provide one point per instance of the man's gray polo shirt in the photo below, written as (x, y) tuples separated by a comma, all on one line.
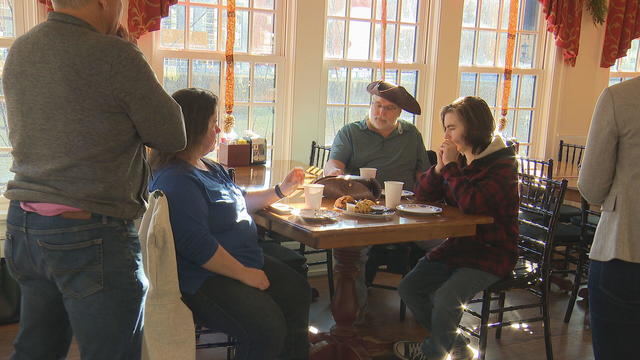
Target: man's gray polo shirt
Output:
[(398, 157)]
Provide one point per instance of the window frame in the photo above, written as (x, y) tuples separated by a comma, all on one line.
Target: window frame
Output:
[(420, 61), (279, 147), (625, 75), (538, 70)]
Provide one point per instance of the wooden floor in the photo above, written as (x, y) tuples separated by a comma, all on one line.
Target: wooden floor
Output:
[(570, 341)]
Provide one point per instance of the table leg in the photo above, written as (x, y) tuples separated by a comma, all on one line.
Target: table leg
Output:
[(343, 342)]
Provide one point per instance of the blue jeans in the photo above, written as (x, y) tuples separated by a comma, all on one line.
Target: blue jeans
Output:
[(77, 277), (614, 305), (268, 324), (434, 293)]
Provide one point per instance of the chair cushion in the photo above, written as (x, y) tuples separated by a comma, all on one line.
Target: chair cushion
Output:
[(567, 212)]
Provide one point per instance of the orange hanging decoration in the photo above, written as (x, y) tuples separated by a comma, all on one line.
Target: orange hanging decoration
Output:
[(383, 39), (230, 76), (508, 63)]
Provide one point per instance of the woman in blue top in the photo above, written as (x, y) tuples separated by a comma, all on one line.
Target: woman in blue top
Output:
[(224, 277)]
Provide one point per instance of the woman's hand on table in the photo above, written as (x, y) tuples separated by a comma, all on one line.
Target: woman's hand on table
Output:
[(292, 181), (255, 278)]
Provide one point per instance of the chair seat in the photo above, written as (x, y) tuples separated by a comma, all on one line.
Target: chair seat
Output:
[(591, 220), (567, 212)]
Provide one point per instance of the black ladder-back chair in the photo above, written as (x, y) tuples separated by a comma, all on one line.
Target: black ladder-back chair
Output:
[(397, 258), (570, 154), (319, 156), (543, 197), (588, 223)]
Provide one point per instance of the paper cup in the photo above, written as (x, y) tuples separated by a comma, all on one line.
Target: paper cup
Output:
[(392, 193), (313, 196), (369, 173)]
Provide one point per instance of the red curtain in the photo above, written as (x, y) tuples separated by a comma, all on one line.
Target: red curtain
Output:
[(563, 20), (48, 3), (145, 15), (623, 25)]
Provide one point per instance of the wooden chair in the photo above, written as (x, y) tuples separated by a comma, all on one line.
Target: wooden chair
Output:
[(588, 223), (543, 197), (569, 155)]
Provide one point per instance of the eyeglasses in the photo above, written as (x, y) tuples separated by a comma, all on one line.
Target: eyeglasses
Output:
[(379, 106)]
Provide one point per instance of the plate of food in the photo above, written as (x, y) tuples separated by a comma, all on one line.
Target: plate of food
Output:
[(405, 193), (367, 209), (419, 209), (317, 215)]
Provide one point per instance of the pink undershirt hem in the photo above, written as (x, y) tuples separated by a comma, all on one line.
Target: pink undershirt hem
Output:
[(46, 209)]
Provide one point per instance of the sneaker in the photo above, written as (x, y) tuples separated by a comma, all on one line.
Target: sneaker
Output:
[(409, 350), (461, 350)]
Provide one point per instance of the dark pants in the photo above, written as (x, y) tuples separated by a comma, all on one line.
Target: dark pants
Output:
[(614, 304), (268, 324), (80, 277)]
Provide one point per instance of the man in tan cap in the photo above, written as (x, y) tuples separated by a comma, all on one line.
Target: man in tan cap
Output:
[(382, 141)]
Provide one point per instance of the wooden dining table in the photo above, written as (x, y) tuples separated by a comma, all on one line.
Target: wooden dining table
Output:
[(347, 235)]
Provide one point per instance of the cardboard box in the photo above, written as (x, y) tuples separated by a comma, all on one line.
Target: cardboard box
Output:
[(234, 154)]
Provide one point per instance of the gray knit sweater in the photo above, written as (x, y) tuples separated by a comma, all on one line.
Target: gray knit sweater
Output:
[(80, 106)]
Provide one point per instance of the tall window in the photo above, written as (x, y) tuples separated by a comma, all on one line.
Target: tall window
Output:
[(15, 18), (482, 54), (627, 67), (192, 42), (353, 50)]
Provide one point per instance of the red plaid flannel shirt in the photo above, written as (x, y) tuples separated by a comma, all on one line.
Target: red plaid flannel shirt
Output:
[(488, 186)]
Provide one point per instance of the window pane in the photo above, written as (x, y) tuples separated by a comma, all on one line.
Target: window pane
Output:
[(360, 78), (239, 3), (409, 11), (172, 28), (614, 80), (262, 33), (524, 126), (241, 114), (264, 79), (488, 88), (242, 84), (466, 47), (358, 113), (391, 39), (527, 51), (263, 4), (335, 39), (205, 1), (527, 91), (504, 25), (530, 17), (407, 44), (263, 119), (5, 174), (3, 58), (407, 116), (392, 9), (515, 79), (502, 37), (489, 13), (242, 30), (203, 34), (4, 129), (390, 75), (486, 48), (337, 86), (468, 84), (175, 74), (508, 131), (359, 34), (6, 19), (336, 7), (628, 63), (206, 75), (469, 14), (335, 121), (409, 79), (361, 9)]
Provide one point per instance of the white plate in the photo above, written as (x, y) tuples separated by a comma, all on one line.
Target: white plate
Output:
[(385, 215), (318, 215), (419, 209), (405, 193)]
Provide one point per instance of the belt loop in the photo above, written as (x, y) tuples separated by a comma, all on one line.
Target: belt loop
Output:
[(105, 219)]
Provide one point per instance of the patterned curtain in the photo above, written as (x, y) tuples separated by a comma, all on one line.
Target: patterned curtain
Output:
[(563, 20), (145, 15), (623, 25)]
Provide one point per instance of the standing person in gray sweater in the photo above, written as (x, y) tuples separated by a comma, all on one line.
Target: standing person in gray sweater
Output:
[(81, 103)]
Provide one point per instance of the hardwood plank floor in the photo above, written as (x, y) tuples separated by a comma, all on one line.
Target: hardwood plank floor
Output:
[(570, 341)]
